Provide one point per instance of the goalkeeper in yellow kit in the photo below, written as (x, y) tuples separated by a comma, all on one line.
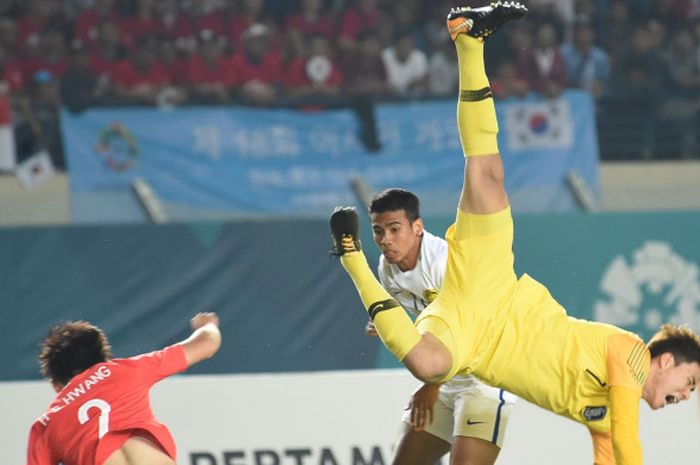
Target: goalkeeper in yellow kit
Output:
[(507, 331)]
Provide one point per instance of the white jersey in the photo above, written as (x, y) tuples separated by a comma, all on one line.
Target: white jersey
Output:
[(462, 396), (415, 289)]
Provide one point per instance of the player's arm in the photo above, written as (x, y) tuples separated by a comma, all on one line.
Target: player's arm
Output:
[(628, 367), (37, 451), (602, 448), (624, 417), (205, 339), (422, 405)]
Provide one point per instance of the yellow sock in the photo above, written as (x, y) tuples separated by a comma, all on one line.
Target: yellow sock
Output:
[(476, 113), (395, 328)]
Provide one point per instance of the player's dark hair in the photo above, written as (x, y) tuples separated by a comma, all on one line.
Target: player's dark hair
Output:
[(679, 341), (71, 348), (396, 199)]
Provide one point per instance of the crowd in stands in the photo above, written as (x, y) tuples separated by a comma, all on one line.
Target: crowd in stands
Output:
[(640, 59)]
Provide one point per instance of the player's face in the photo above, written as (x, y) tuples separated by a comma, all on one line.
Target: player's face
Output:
[(672, 383), (398, 238)]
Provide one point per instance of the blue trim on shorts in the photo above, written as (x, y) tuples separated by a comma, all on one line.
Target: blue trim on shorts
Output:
[(498, 416)]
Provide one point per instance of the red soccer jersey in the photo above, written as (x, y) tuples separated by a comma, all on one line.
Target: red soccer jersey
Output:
[(101, 408)]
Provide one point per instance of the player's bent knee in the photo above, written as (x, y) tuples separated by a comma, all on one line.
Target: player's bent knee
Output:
[(430, 361)]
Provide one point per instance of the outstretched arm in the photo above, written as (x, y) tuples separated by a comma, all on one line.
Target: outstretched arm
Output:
[(205, 339)]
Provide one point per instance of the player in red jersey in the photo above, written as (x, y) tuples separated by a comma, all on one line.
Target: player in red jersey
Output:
[(102, 414)]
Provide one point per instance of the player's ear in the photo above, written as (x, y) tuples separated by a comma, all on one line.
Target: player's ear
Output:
[(418, 227), (56, 386), (667, 360)]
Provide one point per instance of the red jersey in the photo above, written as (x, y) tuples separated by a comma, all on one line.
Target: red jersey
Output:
[(101, 408)]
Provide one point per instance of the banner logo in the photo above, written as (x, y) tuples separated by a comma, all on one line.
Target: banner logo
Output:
[(657, 286), (117, 147)]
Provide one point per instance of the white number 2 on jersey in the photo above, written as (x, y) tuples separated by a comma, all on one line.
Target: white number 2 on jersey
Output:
[(104, 409)]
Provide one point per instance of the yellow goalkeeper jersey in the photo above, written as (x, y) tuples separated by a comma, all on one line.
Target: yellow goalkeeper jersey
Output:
[(512, 334)]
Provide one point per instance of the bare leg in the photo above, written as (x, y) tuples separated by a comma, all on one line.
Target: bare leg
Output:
[(419, 448), (473, 451)]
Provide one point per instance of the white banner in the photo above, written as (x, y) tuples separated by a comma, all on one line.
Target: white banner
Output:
[(334, 418)]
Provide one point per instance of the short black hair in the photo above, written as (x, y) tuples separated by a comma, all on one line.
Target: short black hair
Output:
[(396, 199), (679, 341), (71, 348)]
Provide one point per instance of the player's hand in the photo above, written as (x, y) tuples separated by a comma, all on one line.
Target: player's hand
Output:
[(422, 404), (370, 329), (201, 319)]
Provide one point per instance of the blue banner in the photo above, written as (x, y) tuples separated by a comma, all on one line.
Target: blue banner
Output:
[(249, 161)]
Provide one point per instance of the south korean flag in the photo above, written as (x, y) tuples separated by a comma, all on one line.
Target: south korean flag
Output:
[(539, 125)]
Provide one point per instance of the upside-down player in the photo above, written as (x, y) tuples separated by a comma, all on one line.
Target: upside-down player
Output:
[(510, 332), (463, 416), (102, 414)]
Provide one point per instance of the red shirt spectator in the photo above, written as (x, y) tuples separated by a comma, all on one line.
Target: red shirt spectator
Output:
[(252, 13), (356, 19), (200, 71), (268, 69), (204, 19), (127, 74), (33, 21), (87, 23), (311, 20), (51, 56), (10, 74)]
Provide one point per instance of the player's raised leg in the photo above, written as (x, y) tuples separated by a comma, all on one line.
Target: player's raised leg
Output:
[(423, 354), (483, 191)]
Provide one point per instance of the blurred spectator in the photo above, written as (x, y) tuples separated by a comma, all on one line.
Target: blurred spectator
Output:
[(11, 78), (37, 127), (543, 66), (506, 82), (251, 12), (257, 68), (405, 15), (311, 19), (8, 33), (79, 86), (173, 23), (316, 75), (587, 66), (364, 69), (87, 23), (205, 15), (32, 21), (107, 50), (142, 24), (49, 55), (363, 15), (173, 59), (560, 12), (407, 66), (639, 71), (616, 28), (681, 111), (672, 13), (638, 80), (443, 70), (140, 79), (209, 73)]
